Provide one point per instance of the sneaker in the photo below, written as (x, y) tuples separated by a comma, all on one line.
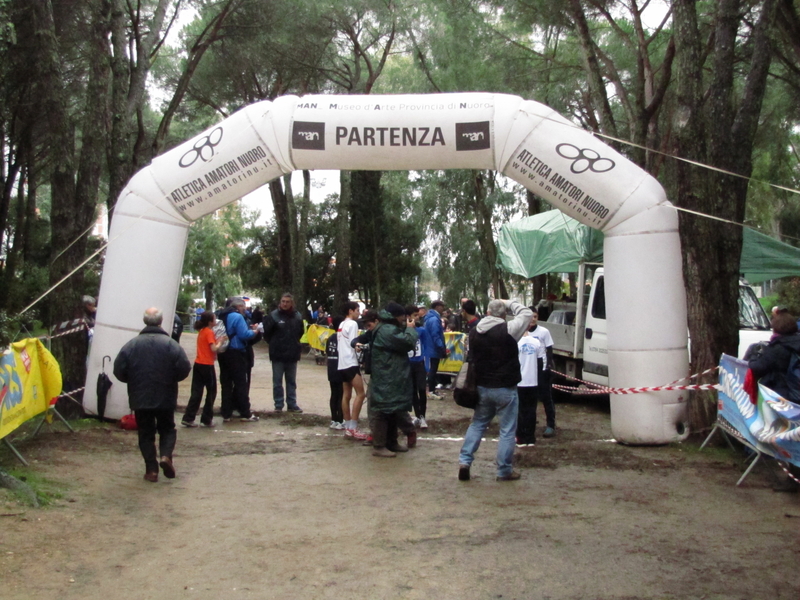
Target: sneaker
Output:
[(296, 409), (412, 439), (415, 421), (434, 396), (252, 418), (212, 424), (355, 434), (549, 432), (278, 410), (398, 448), (339, 426), (188, 423), (333, 425), (227, 419), (423, 424), (513, 476), (463, 472), (383, 453)]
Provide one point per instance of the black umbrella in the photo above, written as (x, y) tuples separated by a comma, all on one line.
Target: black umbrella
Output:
[(103, 385)]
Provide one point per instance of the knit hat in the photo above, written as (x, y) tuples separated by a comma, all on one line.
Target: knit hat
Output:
[(395, 309)]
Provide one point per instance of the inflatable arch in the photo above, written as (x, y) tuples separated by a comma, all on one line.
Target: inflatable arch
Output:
[(524, 140)]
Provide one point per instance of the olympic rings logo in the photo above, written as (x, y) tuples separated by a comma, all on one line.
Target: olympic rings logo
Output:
[(202, 149), (584, 159)]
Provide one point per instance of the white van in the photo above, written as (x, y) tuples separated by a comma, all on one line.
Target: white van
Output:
[(580, 340)]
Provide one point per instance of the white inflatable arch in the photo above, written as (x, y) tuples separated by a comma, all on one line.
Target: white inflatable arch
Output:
[(524, 140)]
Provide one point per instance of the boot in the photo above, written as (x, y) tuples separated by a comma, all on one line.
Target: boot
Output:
[(383, 452)]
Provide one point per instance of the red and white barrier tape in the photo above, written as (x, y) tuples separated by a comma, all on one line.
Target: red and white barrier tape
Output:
[(69, 394), (595, 388), (80, 327), (785, 470)]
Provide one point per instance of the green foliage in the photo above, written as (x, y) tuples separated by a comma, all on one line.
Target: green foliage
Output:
[(385, 239), (789, 295), (214, 250)]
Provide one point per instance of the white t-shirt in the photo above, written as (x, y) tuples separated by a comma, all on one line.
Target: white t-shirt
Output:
[(545, 338), (529, 350), (348, 331)]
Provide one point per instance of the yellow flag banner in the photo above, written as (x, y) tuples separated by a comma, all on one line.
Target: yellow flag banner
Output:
[(318, 336), (30, 379), (454, 341)]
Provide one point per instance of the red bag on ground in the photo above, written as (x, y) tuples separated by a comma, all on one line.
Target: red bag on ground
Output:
[(128, 422)]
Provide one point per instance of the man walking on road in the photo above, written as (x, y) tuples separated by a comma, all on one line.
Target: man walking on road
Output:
[(495, 357), (152, 364), (283, 329)]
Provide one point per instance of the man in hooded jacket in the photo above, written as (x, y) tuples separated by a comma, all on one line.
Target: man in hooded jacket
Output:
[(391, 386), (494, 355)]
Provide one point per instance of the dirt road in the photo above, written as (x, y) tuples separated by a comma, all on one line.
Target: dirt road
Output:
[(286, 508)]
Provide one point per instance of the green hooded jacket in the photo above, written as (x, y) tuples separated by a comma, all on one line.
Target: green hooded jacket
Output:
[(391, 386)]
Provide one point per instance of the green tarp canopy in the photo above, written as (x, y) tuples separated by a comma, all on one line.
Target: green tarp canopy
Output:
[(552, 242)]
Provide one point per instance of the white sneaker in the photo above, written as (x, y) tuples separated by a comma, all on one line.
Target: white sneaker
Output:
[(423, 424), (340, 426), (415, 421), (332, 425)]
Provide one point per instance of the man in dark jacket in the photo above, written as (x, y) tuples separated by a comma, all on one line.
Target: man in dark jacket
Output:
[(390, 386), (283, 329), (152, 364), (494, 355)]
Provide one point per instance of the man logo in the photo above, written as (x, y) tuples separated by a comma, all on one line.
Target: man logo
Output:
[(308, 135), (473, 136), (584, 159), (203, 148)]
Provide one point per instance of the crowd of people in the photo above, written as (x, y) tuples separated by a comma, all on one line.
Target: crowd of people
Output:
[(387, 359)]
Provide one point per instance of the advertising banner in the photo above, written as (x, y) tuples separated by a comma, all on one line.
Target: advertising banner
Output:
[(220, 165), (454, 341), (573, 171), (30, 379), (317, 336), (393, 132), (772, 425)]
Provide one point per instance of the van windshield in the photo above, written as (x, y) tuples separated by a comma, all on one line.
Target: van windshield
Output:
[(751, 314)]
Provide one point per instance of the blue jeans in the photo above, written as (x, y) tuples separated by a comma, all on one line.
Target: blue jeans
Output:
[(289, 371), (504, 403)]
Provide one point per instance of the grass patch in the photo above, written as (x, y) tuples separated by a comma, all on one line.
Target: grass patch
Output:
[(46, 490)]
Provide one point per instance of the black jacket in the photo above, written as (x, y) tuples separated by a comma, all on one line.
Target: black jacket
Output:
[(152, 364), (283, 332), (771, 365)]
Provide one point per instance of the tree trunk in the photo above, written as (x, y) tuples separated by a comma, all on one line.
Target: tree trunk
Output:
[(483, 225), (130, 65), (342, 275), (299, 262), (280, 206), (711, 249)]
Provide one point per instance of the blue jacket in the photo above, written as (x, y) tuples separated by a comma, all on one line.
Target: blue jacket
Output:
[(238, 331), (433, 325)]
